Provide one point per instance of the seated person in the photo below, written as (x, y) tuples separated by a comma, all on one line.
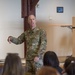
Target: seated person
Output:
[(45, 70), (69, 66), (50, 59), (13, 65)]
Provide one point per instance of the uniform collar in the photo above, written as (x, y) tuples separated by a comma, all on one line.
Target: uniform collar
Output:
[(34, 30)]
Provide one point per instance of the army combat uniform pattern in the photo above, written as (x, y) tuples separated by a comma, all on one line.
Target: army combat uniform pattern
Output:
[(36, 45)]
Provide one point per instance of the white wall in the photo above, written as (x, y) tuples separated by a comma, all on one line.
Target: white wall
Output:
[(46, 11), (11, 23), (59, 38)]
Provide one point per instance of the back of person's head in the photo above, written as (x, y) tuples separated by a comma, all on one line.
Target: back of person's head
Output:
[(68, 61), (69, 66), (50, 59), (12, 65), (45, 70)]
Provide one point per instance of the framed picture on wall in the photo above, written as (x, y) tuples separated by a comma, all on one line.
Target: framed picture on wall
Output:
[(60, 9)]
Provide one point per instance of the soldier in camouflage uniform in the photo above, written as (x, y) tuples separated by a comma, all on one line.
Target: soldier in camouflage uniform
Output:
[(36, 45)]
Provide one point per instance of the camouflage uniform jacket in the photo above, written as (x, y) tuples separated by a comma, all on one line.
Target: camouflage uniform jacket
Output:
[(35, 41)]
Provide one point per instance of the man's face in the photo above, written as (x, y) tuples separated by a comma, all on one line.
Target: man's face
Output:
[(32, 21)]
